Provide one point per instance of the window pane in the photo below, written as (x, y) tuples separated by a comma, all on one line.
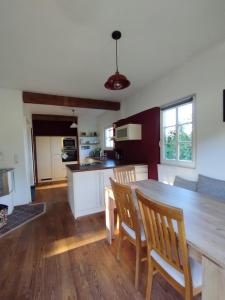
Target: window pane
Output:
[(185, 113), (108, 135), (185, 133), (109, 143), (170, 135), (170, 151), (185, 151), (169, 117)]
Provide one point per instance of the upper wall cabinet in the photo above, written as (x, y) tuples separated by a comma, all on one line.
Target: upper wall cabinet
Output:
[(128, 132)]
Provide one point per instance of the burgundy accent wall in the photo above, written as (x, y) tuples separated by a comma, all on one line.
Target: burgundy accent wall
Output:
[(110, 154), (53, 128), (146, 150)]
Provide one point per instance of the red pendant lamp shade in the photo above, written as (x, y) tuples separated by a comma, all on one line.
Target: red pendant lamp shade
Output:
[(117, 81)]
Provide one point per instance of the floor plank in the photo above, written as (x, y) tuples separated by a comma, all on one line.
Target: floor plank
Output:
[(54, 257)]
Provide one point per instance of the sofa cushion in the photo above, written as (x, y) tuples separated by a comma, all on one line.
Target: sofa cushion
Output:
[(211, 187), (186, 184)]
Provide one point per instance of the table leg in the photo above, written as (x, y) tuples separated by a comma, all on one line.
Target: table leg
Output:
[(213, 287)]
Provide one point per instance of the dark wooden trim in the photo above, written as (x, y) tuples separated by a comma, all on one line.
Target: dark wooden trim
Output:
[(47, 99), (57, 118), (35, 159)]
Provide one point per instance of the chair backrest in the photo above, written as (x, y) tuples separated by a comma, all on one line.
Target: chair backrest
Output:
[(125, 205), (165, 233), (125, 174)]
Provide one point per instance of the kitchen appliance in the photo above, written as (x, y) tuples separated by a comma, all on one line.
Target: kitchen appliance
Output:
[(7, 186), (69, 143), (69, 155), (128, 132), (118, 154), (69, 151)]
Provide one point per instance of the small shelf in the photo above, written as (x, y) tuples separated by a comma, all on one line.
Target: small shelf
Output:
[(89, 144), (88, 136)]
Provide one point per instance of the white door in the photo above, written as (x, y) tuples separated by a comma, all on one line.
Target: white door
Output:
[(58, 168), (44, 158)]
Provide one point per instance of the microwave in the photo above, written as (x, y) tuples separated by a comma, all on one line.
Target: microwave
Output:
[(128, 132), (69, 143)]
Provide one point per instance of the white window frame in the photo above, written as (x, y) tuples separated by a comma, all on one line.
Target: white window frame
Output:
[(105, 147), (177, 162)]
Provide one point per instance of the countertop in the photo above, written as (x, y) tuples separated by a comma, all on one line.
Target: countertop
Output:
[(5, 170), (101, 165)]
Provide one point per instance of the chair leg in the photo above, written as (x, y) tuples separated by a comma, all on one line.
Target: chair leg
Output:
[(120, 239), (188, 294), (149, 280), (138, 264)]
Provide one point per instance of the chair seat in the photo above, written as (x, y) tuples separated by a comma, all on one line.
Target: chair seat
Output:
[(132, 233), (196, 270)]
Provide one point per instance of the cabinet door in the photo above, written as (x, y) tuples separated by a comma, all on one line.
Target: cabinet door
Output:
[(58, 168), (141, 172), (86, 189), (44, 159), (56, 145), (104, 176)]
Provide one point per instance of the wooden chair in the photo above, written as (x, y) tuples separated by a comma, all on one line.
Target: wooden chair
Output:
[(129, 224), (125, 174), (167, 248)]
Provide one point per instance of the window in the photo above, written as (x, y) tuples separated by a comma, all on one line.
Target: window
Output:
[(109, 143), (177, 133)]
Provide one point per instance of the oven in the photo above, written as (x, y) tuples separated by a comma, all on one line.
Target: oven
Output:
[(69, 155), (69, 143)]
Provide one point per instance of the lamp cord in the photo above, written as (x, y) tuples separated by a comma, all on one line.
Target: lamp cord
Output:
[(116, 59)]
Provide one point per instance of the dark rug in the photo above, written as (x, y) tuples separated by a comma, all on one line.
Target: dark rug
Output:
[(21, 215)]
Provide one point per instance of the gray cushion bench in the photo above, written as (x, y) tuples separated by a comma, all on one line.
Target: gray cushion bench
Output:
[(205, 185)]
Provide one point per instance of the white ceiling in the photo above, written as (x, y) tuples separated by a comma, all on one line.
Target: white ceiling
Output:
[(64, 46)]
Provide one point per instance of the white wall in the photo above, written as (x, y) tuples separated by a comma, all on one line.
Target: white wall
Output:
[(205, 77), (13, 142), (87, 123), (28, 144), (106, 120)]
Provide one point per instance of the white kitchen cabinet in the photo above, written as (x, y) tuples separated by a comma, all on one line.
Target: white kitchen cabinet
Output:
[(141, 172), (128, 132), (86, 189), (58, 168), (87, 192), (44, 158), (104, 181), (49, 160)]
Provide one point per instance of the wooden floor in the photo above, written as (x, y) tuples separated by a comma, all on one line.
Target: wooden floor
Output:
[(54, 257)]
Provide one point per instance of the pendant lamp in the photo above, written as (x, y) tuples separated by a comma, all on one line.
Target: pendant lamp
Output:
[(73, 125), (117, 81)]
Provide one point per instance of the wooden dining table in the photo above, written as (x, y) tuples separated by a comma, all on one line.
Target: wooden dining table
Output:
[(204, 219)]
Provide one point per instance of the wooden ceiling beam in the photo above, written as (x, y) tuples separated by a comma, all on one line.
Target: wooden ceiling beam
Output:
[(47, 99), (58, 118)]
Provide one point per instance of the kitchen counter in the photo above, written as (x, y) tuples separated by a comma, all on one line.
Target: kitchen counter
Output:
[(99, 165), (87, 184), (2, 171)]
